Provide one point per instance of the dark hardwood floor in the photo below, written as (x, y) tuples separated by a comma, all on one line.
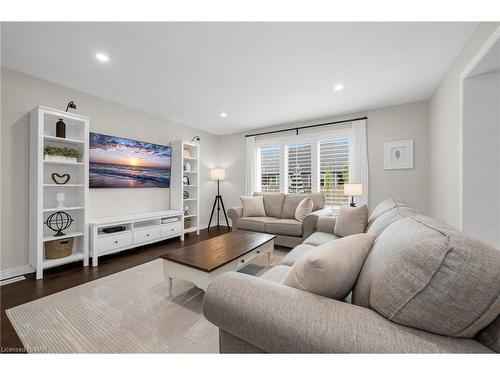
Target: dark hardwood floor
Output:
[(68, 276)]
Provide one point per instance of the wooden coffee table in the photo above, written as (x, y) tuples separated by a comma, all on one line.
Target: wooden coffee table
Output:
[(202, 262)]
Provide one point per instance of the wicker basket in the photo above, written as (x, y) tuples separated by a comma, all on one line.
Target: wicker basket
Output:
[(58, 248), (188, 222)]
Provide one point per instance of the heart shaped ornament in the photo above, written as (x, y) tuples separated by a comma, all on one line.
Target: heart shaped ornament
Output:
[(60, 179)]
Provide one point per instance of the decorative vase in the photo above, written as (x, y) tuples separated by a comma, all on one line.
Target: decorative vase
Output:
[(60, 129), (187, 165), (60, 200)]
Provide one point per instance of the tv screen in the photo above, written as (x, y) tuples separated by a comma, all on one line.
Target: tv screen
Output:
[(124, 163)]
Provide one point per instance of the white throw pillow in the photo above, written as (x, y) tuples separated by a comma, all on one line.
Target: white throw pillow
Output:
[(253, 206), (351, 220), (304, 208), (331, 270)]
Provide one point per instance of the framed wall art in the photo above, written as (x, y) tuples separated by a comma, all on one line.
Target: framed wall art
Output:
[(398, 154)]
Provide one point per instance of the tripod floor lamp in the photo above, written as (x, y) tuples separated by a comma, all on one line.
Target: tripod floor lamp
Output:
[(218, 174)]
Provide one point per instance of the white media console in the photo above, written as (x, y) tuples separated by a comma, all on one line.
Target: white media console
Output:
[(140, 229)]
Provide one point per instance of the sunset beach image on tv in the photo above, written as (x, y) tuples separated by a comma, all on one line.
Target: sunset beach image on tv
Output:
[(124, 163)]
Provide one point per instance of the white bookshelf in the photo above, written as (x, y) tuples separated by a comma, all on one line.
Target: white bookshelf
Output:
[(43, 190), (177, 188)]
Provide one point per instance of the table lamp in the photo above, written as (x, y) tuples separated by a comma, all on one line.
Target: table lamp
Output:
[(353, 190)]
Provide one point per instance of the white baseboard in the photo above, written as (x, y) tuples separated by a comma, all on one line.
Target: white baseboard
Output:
[(16, 271), (12, 280)]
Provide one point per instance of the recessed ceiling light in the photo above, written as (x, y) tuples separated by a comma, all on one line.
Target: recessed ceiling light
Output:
[(338, 87), (223, 114), (102, 57)]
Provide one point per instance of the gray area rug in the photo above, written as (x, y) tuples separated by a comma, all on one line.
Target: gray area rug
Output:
[(123, 313)]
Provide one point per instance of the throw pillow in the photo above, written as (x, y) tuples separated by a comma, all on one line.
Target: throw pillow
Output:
[(331, 270), (304, 208), (253, 206), (351, 220)]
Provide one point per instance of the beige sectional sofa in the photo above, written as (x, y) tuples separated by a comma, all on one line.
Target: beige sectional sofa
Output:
[(424, 288), (280, 217)]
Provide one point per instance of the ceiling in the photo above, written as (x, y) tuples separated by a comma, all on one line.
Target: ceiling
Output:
[(260, 74)]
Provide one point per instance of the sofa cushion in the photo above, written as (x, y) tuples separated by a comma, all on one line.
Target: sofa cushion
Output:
[(253, 206), (273, 203), (387, 218), (331, 270), (288, 227), (256, 224), (424, 274), (326, 224), (490, 336), (276, 274), (385, 206), (303, 209), (320, 238), (287, 241), (292, 201), (296, 253), (351, 220)]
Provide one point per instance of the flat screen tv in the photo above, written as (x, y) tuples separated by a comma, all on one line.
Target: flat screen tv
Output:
[(124, 163)]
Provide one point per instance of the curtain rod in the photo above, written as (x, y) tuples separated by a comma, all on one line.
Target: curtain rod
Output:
[(306, 127)]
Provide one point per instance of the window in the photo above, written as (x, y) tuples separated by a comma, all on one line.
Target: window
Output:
[(317, 162), (299, 168), (270, 168), (334, 170)]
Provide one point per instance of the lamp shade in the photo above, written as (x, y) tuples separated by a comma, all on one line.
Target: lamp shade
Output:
[(353, 190), (218, 174)]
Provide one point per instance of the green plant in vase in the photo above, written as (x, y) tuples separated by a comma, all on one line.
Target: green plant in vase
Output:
[(61, 154)]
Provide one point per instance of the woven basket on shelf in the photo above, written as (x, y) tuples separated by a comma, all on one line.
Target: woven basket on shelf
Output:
[(187, 222), (58, 248)]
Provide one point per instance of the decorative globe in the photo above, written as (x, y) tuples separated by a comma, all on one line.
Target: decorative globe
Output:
[(58, 222)]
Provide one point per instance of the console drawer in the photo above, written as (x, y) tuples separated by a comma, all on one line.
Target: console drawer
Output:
[(247, 258), (148, 234), (171, 229), (111, 242)]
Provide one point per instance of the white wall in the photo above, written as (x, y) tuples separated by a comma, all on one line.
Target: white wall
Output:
[(20, 94), (406, 121), (481, 158), (443, 133)]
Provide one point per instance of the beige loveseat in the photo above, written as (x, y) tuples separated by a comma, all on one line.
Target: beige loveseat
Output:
[(424, 288), (280, 217)]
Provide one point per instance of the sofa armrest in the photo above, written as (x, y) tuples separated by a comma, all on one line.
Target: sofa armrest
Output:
[(311, 220), (279, 319), (234, 214), (326, 224)]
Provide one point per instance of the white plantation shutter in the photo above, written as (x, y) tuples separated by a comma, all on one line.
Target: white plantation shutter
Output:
[(309, 163), (299, 167), (334, 170), (270, 168)]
